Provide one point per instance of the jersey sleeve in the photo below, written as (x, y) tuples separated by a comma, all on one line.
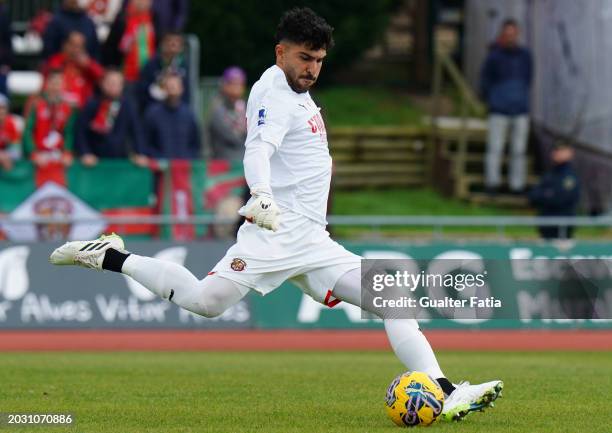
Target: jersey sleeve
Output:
[(269, 120)]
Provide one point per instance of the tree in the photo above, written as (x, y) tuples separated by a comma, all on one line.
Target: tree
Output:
[(234, 32)]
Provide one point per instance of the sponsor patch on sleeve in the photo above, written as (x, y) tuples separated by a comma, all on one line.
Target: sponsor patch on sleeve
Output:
[(261, 116)]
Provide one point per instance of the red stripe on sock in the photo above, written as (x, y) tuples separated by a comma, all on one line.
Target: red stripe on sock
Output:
[(333, 302)]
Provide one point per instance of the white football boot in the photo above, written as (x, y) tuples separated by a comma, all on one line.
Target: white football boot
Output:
[(468, 398), (89, 254)]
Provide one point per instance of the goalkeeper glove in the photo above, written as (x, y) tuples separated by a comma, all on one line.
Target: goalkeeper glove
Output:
[(262, 210)]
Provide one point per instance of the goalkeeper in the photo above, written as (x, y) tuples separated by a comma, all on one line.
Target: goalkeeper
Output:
[(288, 169)]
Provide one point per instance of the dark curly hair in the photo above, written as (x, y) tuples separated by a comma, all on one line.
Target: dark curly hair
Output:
[(304, 26)]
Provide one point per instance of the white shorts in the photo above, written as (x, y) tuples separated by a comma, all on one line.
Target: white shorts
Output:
[(300, 251)]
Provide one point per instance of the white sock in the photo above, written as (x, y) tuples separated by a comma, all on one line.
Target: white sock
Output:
[(208, 297), (159, 276), (412, 347), (408, 342)]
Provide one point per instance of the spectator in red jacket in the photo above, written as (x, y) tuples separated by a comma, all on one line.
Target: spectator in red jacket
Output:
[(10, 149), (81, 72), (131, 42), (49, 132)]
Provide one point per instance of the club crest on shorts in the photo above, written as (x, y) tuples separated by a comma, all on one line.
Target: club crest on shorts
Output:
[(238, 265)]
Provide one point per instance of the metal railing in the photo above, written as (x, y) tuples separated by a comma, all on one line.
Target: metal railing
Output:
[(376, 222), (469, 105)]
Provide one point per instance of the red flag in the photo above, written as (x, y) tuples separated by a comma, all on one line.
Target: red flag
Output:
[(181, 198)]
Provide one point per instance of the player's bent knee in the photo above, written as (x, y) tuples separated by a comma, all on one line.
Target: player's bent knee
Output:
[(212, 311), (212, 305), (218, 295)]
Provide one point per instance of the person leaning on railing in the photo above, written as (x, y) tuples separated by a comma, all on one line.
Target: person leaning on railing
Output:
[(108, 126), (49, 131)]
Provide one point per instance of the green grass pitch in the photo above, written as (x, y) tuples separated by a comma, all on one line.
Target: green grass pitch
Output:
[(294, 392)]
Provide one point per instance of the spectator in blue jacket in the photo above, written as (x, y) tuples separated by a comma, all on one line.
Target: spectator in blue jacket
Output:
[(6, 48), (71, 17), (505, 85), (171, 128), (170, 15), (169, 59), (108, 126), (558, 192)]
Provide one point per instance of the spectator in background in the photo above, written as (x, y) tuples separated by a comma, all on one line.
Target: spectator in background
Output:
[(70, 18), (131, 42), (81, 72), (226, 125), (103, 14), (10, 149), (171, 128), (505, 84), (108, 126), (170, 15), (558, 192), (49, 131), (170, 59), (6, 47), (226, 132)]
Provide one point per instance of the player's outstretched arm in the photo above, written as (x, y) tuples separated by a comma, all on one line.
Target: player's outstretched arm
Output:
[(261, 208)]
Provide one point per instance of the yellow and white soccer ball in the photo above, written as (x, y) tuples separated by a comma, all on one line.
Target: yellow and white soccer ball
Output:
[(414, 398)]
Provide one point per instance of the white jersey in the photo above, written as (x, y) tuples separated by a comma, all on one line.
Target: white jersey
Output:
[(300, 169), (300, 172)]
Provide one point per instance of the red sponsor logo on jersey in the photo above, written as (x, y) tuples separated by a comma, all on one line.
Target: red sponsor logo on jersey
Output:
[(316, 124)]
